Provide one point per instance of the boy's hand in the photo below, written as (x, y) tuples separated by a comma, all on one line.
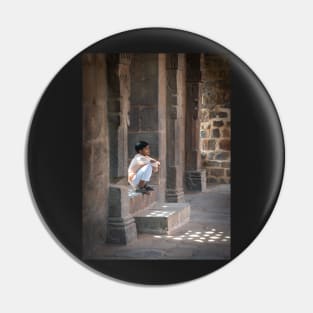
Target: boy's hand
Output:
[(155, 161)]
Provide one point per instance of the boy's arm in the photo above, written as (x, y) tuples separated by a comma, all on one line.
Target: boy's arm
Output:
[(142, 161), (155, 163), (153, 160)]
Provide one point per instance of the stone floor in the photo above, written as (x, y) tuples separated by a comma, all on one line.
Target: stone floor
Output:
[(205, 236)]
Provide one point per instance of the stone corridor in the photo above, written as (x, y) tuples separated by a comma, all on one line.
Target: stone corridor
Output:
[(205, 236), (180, 104)]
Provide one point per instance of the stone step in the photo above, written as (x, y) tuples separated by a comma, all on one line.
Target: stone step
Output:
[(139, 201), (162, 218)]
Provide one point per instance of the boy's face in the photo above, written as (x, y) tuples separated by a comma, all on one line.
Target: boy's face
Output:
[(145, 150)]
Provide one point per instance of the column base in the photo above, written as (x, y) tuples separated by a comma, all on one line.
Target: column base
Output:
[(121, 230), (175, 195), (195, 180)]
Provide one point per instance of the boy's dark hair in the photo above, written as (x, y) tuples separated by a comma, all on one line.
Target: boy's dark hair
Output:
[(140, 145)]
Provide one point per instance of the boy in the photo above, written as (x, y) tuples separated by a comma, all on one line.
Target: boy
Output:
[(141, 167)]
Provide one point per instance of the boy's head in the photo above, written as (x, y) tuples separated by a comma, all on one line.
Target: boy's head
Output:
[(142, 147)]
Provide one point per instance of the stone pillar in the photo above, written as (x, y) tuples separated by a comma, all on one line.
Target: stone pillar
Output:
[(162, 124), (195, 177), (95, 152), (121, 225), (124, 78), (175, 129), (118, 109)]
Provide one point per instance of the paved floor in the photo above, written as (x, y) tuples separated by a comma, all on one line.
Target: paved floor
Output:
[(206, 236)]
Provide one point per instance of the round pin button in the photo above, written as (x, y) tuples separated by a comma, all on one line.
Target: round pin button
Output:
[(155, 156)]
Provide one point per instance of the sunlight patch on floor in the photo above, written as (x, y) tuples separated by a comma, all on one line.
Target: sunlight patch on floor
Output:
[(210, 236)]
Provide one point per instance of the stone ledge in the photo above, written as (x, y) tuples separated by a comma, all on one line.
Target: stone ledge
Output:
[(162, 218), (139, 201)]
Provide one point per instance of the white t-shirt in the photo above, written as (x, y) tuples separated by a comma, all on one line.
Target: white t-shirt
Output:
[(137, 162)]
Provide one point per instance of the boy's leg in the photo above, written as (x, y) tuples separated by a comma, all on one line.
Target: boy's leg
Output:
[(146, 173), (143, 175), (141, 183), (146, 179)]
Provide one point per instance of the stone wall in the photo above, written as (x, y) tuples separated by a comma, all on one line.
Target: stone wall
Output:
[(215, 117), (144, 113), (121, 228)]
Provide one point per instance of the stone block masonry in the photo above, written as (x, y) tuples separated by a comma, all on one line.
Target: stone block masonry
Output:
[(215, 116)]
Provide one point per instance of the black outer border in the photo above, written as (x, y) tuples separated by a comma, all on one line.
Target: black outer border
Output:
[(54, 156)]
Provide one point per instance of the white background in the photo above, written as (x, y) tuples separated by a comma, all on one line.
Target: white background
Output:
[(274, 38)]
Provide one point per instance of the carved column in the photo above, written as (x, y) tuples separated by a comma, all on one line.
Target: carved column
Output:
[(121, 225), (95, 152), (195, 178), (162, 124), (124, 78), (175, 130)]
